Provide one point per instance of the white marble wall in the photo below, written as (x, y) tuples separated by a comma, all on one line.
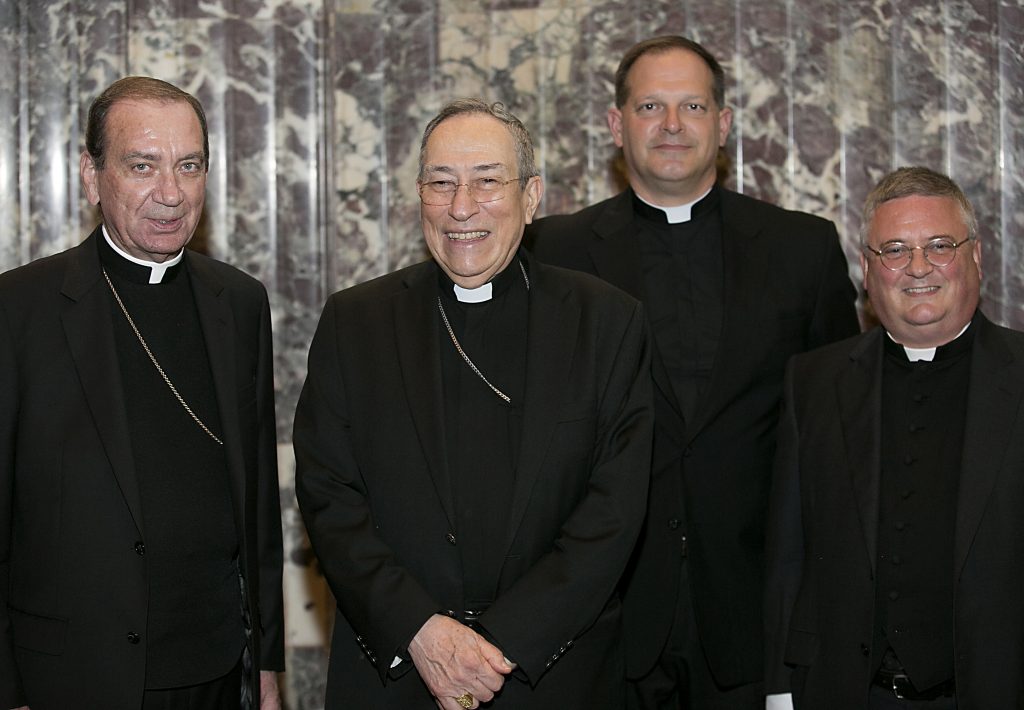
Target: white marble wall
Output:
[(316, 107)]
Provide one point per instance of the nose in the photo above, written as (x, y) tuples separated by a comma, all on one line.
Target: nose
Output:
[(168, 190), (919, 265), (463, 205), (671, 124)]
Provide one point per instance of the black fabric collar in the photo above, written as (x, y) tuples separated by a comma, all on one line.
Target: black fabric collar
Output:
[(119, 267), (706, 205)]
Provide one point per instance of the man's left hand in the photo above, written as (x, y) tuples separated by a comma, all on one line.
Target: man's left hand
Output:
[(270, 696)]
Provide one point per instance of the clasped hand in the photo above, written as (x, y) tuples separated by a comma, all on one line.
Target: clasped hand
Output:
[(452, 659)]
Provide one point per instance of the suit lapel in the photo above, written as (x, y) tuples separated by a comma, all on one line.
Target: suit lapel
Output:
[(554, 320), (994, 401), (745, 273), (217, 321), (859, 391), (417, 341), (90, 335), (615, 253)]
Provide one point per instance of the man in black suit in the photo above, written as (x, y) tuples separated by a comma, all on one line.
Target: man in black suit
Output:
[(140, 530), (472, 441), (732, 287), (896, 533)]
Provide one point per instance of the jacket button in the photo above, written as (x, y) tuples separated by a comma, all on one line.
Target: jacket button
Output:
[(864, 649), (673, 523), (450, 538), (140, 548), (133, 638), (682, 546)]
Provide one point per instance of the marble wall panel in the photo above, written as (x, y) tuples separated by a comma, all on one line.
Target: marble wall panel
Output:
[(316, 109), (1007, 153)]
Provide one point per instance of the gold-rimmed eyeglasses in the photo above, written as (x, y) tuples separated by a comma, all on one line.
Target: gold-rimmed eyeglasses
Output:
[(897, 256), (481, 189)]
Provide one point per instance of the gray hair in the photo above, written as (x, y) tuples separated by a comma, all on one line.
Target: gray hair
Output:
[(520, 136), (922, 182)]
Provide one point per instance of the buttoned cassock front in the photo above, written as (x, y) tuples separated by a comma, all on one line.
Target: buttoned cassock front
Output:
[(823, 528), (375, 492)]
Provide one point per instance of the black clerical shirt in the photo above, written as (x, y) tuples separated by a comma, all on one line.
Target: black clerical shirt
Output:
[(194, 630), (924, 411), (683, 292), (482, 431)]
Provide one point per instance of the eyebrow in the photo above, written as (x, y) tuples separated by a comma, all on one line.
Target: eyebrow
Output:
[(154, 157), (932, 238), (483, 167)]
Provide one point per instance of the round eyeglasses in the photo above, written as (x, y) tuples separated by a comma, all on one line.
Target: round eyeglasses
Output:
[(897, 256), (481, 189)]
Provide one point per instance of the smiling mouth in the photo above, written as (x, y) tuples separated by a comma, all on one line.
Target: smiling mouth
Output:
[(919, 290), (466, 236)]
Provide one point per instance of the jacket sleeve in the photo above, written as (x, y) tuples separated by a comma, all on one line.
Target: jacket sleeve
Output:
[(784, 544), (270, 611), (11, 693), (545, 611), (835, 307), (382, 601)]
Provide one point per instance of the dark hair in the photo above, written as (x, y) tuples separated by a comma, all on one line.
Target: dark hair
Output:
[(920, 181), (520, 136), (666, 43), (140, 88)]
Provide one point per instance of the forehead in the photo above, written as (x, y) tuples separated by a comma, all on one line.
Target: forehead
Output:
[(917, 217), (470, 140), (139, 119), (672, 70)]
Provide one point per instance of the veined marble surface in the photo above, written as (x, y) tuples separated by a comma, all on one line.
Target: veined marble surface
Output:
[(316, 109)]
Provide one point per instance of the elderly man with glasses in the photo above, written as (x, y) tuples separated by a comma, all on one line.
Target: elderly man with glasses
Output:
[(473, 440), (896, 538)]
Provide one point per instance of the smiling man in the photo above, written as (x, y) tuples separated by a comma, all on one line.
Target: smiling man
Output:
[(472, 441), (732, 286), (140, 531), (896, 534)]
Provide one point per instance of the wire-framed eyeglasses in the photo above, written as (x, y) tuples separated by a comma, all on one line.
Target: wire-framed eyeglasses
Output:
[(897, 256), (482, 189)]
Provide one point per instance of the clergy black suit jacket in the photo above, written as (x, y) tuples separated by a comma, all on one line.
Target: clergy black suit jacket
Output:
[(786, 290), (73, 585), (824, 527), (375, 492)]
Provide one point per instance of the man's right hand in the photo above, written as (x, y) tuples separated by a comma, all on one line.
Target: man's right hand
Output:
[(452, 660)]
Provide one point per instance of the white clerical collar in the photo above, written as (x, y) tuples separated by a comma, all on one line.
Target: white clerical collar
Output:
[(926, 354), (679, 213), (474, 295), (156, 271)]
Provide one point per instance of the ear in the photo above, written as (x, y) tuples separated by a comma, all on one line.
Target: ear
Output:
[(724, 124), (976, 253), (615, 125), (864, 270), (533, 194), (87, 169)]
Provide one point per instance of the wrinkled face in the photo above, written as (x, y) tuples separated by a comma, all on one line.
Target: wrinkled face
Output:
[(153, 183), (473, 241), (670, 128), (922, 306)]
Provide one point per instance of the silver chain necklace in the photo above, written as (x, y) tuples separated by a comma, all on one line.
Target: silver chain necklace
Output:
[(458, 347), (152, 359)]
